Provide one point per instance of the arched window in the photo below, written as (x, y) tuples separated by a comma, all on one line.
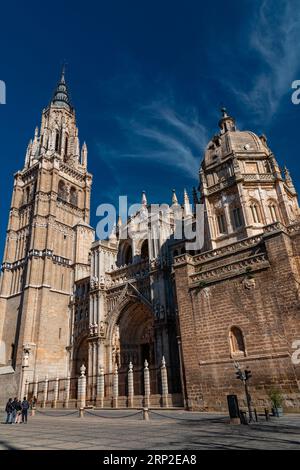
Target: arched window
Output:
[(27, 195), (66, 147), (273, 211), (255, 212), (128, 255), (145, 250), (73, 196), (57, 142), (237, 217), (267, 167), (222, 226), (62, 191), (237, 344)]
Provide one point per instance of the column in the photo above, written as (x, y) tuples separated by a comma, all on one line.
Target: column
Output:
[(82, 387), (130, 386), (94, 373), (228, 217), (67, 391), (115, 387), (26, 388), (146, 384), (164, 383), (56, 389), (35, 387), (100, 387), (90, 371), (45, 391)]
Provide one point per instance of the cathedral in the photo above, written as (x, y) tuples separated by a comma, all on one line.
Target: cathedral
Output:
[(140, 298)]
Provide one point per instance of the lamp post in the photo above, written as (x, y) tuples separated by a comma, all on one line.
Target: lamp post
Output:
[(244, 376)]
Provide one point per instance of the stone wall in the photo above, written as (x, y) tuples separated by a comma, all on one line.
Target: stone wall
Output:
[(9, 382), (262, 301)]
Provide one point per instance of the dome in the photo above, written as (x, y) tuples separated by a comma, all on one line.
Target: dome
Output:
[(242, 141), (232, 140)]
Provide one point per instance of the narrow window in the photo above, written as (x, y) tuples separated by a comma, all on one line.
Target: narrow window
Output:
[(237, 344), (27, 195), (66, 147), (57, 142), (145, 250), (59, 333), (62, 191), (237, 217), (221, 223), (73, 196), (273, 212), (255, 213), (128, 255)]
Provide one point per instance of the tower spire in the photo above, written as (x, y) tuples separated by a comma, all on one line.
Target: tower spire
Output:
[(144, 198), (186, 204), (61, 96), (174, 197), (288, 178)]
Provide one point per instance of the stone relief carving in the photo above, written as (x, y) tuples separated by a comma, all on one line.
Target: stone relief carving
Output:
[(25, 361), (102, 329), (249, 283), (93, 327), (206, 292), (116, 346)]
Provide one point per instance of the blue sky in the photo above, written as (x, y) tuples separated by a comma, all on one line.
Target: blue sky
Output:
[(147, 79)]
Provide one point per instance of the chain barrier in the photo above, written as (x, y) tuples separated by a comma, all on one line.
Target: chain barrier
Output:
[(113, 417), (217, 420), (55, 415)]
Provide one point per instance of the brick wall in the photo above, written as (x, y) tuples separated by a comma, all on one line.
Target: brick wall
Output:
[(267, 312)]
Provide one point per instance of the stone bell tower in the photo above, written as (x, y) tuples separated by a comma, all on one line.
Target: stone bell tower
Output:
[(47, 248)]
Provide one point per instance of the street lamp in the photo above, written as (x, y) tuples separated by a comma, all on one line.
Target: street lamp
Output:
[(244, 376)]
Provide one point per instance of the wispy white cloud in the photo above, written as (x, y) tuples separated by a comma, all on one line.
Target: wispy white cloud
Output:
[(274, 38), (158, 133)]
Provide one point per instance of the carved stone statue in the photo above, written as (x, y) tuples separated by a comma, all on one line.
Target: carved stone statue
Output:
[(25, 358), (82, 370)]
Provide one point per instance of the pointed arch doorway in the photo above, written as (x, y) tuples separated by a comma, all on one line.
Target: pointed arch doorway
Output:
[(134, 341)]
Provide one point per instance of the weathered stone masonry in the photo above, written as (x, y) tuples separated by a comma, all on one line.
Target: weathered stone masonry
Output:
[(217, 291)]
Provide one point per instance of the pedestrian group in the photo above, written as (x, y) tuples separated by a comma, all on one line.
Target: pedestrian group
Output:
[(16, 411)]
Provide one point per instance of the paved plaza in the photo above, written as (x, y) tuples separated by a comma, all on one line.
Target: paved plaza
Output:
[(126, 430)]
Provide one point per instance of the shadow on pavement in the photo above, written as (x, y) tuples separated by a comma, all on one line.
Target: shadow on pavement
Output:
[(7, 446)]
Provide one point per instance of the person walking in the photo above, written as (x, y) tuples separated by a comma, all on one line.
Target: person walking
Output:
[(18, 412), (25, 406), (14, 410), (9, 409), (33, 402)]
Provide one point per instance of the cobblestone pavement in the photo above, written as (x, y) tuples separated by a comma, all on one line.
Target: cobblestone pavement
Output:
[(174, 429)]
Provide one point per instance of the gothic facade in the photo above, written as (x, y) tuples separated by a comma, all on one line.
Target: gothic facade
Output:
[(67, 299)]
